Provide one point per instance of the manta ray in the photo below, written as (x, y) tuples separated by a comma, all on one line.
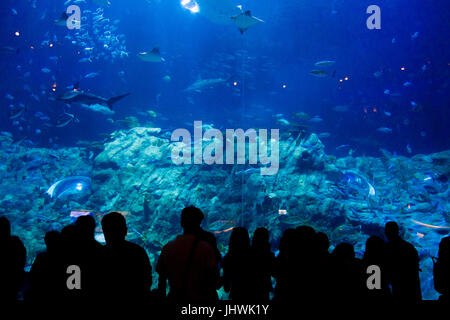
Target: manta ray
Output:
[(151, 56), (225, 12)]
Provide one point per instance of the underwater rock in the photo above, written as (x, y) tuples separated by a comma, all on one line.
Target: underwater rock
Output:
[(133, 172)]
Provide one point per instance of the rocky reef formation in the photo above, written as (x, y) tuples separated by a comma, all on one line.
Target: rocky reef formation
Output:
[(348, 198)]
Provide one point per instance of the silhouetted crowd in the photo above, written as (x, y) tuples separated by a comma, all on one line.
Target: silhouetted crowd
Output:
[(191, 265)]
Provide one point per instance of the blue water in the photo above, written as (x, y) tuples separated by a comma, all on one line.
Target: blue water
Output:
[(267, 71)]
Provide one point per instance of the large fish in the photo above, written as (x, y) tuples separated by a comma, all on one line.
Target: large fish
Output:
[(202, 84), (324, 63), (151, 56), (70, 186), (89, 99), (245, 20)]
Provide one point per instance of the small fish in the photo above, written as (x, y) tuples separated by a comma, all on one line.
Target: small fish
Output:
[(283, 122), (384, 130), (14, 11), (324, 63), (248, 171), (91, 75), (393, 40), (415, 35), (315, 119), (319, 73), (387, 91), (408, 148), (17, 113), (407, 84), (64, 121), (46, 70), (387, 113), (85, 60), (323, 135), (378, 74), (9, 97), (342, 146)]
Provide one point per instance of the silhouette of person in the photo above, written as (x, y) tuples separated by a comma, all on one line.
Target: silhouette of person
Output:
[(238, 271), (12, 263), (45, 277), (375, 254), (441, 270), (285, 267), (306, 277), (402, 266), (90, 257), (347, 274), (127, 269), (188, 263), (263, 262), (323, 266)]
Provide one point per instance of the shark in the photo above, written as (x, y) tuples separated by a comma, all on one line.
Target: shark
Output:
[(202, 84), (89, 100), (151, 56)]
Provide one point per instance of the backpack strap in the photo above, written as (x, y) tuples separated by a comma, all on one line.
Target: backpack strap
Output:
[(190, 261)]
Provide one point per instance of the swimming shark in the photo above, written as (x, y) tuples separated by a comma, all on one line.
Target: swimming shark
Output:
[(88, 99), (151, 56), (201, 84), (245, 20)]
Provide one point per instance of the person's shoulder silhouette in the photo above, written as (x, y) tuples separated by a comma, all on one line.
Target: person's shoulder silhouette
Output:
[(237, 268), (402, 266), (189, 263), (46, 276), (441, 270), (13, 258), (127, 268)]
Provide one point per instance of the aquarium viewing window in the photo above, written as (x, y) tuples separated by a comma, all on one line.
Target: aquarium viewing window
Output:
[(262, 114)]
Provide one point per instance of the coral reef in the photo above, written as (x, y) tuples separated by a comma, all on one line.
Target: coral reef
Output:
[(348, 198)]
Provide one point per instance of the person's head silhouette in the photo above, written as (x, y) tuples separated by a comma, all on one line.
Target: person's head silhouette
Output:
[(114, 228), (261, 239), (52, 240), (322, 242), (391, 230), (86, 227), (344, 251), (239, 240), (191, 218)]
